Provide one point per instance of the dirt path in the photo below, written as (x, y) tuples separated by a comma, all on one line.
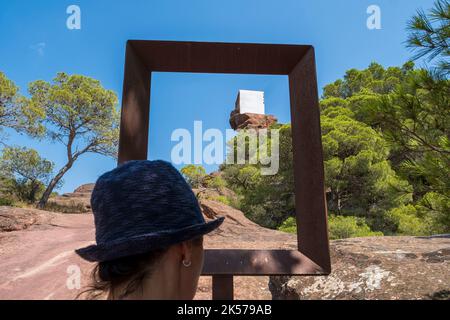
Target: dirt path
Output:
[(34, 262)]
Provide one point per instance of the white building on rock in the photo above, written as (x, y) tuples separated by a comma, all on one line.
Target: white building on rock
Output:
[(249, 101)]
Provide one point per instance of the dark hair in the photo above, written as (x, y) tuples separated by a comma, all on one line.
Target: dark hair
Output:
[(131, 270)]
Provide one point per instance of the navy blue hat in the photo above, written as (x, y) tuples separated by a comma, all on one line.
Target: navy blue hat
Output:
[(141, 206)]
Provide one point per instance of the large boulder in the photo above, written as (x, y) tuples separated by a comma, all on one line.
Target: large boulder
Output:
[(377, 268), (256, 121)]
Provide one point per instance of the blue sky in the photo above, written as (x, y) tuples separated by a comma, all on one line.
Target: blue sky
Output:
[(36, 44)]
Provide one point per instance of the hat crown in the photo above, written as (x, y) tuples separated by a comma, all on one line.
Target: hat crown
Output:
[(142, 197)]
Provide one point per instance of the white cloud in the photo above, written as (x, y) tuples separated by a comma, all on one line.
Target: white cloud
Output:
[(39, 48)]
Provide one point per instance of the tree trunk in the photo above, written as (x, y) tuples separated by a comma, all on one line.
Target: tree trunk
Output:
[(33, 192), (52, 185)]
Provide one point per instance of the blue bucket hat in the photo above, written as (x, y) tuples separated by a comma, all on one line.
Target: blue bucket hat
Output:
[(141, 206)]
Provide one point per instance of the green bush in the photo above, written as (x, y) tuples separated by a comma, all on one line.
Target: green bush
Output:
[(406, 220), (6, 202), (71, 207), (215, 182), (222, 199), (436, 208), (234, 202), (289, 225), (194, 175), (341, 227)]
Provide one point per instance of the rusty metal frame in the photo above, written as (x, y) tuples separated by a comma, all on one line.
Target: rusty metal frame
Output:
[(298, 62)]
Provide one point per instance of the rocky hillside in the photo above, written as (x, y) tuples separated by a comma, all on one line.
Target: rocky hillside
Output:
[(78, 201), (363, 268)]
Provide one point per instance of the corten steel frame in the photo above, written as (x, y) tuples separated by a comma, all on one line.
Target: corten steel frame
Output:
[(298, 62)]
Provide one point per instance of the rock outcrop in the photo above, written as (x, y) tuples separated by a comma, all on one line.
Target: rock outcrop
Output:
[(14, 219), (78, 201), (377, 268), (240, 121)]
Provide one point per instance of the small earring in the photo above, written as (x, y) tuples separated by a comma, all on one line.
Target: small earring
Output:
[(187, 264)]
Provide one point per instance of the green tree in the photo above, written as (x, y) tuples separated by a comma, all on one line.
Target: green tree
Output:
[(194, 175), (359, 178), (28, 172), (265, 199), (8, 97), (408, 220), (79, 113), (416, 117), (413, 117), (430, 33), (373, 80), (14, 112)]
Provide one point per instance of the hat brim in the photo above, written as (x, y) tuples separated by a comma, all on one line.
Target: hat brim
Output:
[(145, 243)]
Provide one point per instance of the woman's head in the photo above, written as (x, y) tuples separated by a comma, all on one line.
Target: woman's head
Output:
[(149, 227), (165, 273)]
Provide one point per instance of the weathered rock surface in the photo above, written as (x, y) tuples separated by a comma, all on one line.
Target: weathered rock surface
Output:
[(78, 201), (37, 259), (250, 120), (14, 219), (377, 268)]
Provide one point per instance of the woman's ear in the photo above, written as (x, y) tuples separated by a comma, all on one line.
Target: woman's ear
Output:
[(186, 253)]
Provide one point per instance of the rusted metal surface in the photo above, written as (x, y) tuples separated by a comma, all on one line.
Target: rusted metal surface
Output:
[(257, 262), (310, 201), (218, 57), (298, 62), (133, 143), (222, 287)]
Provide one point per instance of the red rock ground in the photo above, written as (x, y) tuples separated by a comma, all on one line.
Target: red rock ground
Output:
[(36, 257), (35, 263)]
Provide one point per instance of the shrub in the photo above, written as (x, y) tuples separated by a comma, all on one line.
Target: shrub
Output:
[(222, 199), (341, 227), (70, 207), (289, 225), (6, 202), (407, 221), (214, 182), (194, 175), (234, 202)]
